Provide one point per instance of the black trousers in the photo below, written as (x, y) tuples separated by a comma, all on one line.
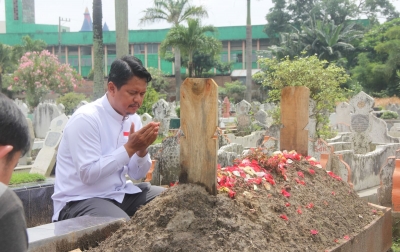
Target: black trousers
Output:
[(109, 207)]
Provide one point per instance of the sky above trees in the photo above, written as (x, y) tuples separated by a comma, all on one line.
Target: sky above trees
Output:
[(221, 12)]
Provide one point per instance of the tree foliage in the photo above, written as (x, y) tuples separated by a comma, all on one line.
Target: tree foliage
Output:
[(377, 66), (70, 101), (234, 90), (286, 13), (174, 12), (323, 80), (158, 82), (189, 40), (40, 73)]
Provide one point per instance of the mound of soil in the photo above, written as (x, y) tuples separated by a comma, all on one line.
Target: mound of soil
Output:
[(293, 207)]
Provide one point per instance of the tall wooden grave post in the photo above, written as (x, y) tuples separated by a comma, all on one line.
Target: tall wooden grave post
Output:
[(199, 144), (294, 117)]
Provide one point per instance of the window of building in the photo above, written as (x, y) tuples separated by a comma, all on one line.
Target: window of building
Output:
[(152, 48), (238, 58), (225, 46), (236, 45), (15, 5), (138, 48), (263, 44), (224, 57)]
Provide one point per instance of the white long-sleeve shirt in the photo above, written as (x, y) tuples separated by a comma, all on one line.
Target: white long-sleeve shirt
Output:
[(91, 158)]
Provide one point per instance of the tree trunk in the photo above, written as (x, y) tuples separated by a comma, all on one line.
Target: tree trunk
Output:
[(248, 54), (121, 28), (98, 77), (178, 78), (1, 82)]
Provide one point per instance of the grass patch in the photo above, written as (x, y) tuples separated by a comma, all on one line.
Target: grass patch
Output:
[(25, 177)]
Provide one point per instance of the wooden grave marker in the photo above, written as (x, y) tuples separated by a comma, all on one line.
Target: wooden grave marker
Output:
[(199, 144), (294, 117)]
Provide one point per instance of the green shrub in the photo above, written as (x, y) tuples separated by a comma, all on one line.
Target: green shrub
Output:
[(70, 101), (234, 90), (151, 97), (178, 111), (387, 115), (323, 80)]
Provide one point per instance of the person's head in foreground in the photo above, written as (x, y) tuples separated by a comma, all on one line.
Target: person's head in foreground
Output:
[(14, 137)]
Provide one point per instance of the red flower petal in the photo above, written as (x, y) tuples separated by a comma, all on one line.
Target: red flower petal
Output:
[(300, 174), (285, 193), (287, 204), (231, 194), (313, 231), (311, 171), (309, 206), (284, 217), (299, 211), (346, 237)]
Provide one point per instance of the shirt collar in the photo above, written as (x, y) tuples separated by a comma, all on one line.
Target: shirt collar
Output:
[(110, 110)]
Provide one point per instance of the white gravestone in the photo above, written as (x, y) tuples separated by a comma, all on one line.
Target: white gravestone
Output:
[(46, 157), (343, 117), (243, 108), (161, 112), (27, 158), (44, 114), (146, 118), (22, 106)]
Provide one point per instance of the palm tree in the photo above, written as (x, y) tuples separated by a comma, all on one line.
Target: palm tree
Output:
[(98, 77), (330, 41), (188, 40), (249, 57), (174, 12)]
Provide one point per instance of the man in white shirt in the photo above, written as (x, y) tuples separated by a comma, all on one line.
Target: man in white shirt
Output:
[(102, 142)]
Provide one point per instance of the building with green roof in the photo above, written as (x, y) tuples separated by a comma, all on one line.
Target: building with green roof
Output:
[(77, 47)]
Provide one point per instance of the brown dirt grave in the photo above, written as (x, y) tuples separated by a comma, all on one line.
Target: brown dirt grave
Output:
[(283, 203)]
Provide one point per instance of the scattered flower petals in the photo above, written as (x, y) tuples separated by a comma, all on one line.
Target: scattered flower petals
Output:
[(333, 175), (346, 237), (287, 204), (336, 240), (313, 231), (299, 211), (309, 206), (300, 174), (284, 217), (374, 211), (236, 173), (333, 193), (311, 171), (285, 193)]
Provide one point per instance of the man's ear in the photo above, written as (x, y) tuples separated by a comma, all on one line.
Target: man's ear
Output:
[(4, 150), (111, 88)]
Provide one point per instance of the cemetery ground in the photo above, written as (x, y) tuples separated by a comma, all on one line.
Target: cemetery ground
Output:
[(278, 203)]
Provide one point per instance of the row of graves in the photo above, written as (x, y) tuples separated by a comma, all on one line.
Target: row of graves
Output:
[(363, 153)]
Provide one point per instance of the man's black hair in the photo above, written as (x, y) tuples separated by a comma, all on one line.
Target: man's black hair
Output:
[(122, 70), (14, 129)]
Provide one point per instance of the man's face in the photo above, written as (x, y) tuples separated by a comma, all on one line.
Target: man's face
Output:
[(128, 99)]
